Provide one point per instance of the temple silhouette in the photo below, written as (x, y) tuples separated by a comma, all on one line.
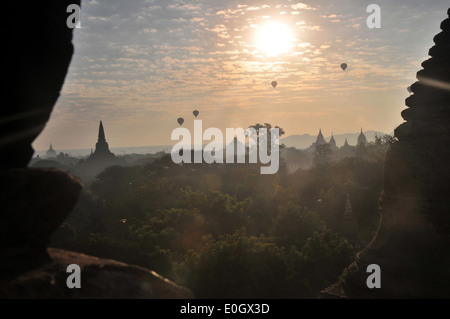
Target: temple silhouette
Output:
[(362, 140), (102, 152), (51, 152), (348, 227), (98, 160), (320, 140)]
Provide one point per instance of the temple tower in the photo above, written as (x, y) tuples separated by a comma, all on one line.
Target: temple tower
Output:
[(333, 142), (320, 139), (101, 147), (362, 140), (51, 152), (346, 145), (349, 225)]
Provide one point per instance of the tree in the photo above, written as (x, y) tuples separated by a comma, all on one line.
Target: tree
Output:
[(322, 154), (237, 266), (267, 135), (377, 150), (294, 225)]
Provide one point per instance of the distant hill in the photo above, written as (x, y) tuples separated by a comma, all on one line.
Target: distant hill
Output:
[(305, 140)]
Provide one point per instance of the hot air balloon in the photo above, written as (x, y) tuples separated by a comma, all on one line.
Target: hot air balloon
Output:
[(343, 66), (274, 83), (195, 113), (409, 89), (180, 121)]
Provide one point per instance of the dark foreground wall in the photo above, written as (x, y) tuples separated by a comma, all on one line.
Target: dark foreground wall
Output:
[(34, 202)]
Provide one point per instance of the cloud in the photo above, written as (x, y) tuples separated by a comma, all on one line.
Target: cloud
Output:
[(142, 59), (301, 6)]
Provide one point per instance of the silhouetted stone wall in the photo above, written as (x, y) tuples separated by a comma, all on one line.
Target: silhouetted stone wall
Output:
[(36, 201)]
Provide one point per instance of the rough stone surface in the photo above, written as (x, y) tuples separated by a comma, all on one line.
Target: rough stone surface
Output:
[(34, 203), (100, 279)]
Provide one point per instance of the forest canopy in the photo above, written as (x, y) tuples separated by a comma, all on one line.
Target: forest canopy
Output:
[(225, 230)]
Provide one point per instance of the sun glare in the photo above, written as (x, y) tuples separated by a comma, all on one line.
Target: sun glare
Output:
[(274, 38)]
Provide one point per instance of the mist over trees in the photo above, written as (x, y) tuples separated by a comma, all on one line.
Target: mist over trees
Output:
[(225, 230)]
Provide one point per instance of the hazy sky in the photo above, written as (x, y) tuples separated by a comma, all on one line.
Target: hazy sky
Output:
[(141, 64)]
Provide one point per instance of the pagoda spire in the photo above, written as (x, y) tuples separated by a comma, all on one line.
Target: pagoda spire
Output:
[(101, 133), (320, 139), (349, 225), (348, 213), (362, 140), (51, 152), (333, 141), (101, 147)]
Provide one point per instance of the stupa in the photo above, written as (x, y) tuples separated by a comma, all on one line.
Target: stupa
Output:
[(412, 244), (320, 139), (349, 224), (333, 142), (102, 151), (362, 140)]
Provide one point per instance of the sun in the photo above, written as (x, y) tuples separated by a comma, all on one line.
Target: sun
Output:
[(274, 38)]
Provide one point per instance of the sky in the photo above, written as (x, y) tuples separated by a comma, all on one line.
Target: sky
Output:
[(139, 65)]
